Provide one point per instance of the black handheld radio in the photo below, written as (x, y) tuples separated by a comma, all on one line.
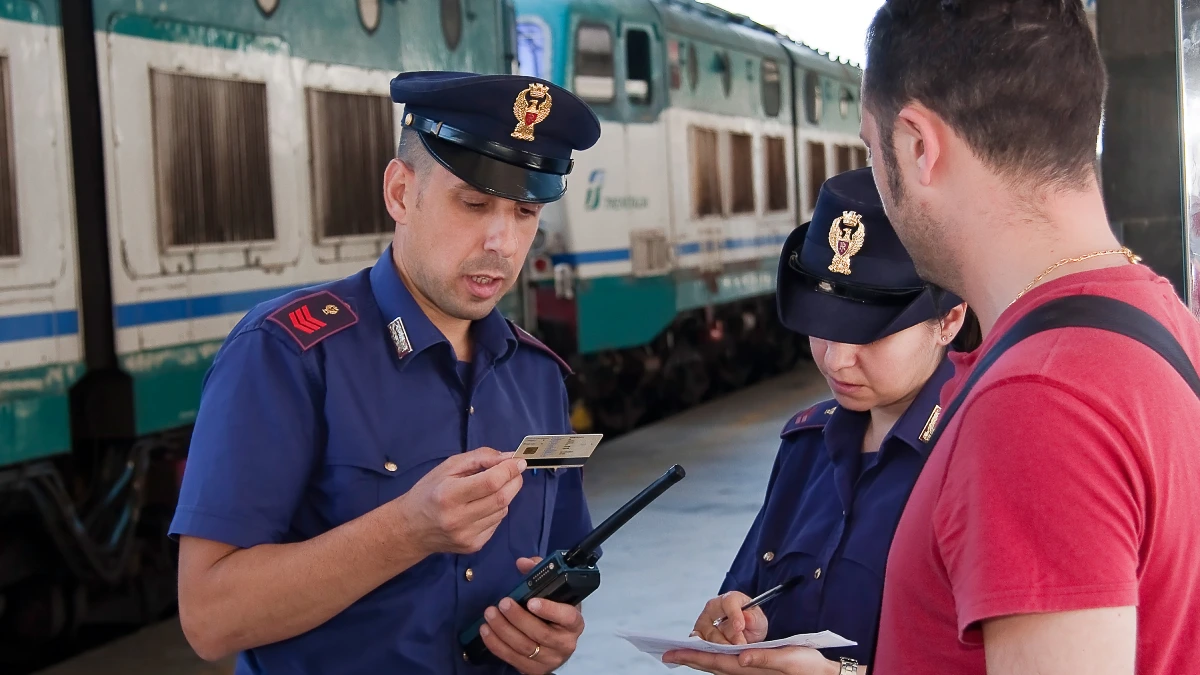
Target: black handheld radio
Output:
[(570, 576)]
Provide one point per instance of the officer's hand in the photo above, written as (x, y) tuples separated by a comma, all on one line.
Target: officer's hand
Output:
[(739, 629), (780, 661), (457, 506), (537, 641)]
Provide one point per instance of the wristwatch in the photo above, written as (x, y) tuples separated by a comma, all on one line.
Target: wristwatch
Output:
[(849, 667)]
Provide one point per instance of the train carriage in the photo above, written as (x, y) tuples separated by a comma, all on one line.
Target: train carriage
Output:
[(656, 272)]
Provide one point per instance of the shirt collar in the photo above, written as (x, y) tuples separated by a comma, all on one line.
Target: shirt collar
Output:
[(845, 429), (411, 332)]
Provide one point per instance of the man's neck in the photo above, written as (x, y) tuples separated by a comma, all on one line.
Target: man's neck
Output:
[(1015, 239), (457, 331)]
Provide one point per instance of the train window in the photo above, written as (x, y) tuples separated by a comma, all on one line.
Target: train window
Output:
[(723, 65), (676, 72), (452, 22), (212, 159), (637, 66), (706, 176), (368, 13), (594, 63), (860, 157), (842, 158), (741, 155), (816, 170), (10, 240), (268, 6), (814, 98), (772, 90), (351, 137), (846, 100), (777, 183)]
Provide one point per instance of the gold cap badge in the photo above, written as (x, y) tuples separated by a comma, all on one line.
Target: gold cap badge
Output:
[(531, 107), (846, 237)]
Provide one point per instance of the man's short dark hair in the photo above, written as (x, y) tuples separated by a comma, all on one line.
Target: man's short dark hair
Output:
[(1021, 81), (412, 152)]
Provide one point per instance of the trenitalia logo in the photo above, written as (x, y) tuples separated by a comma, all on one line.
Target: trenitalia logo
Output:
[(595, 186)]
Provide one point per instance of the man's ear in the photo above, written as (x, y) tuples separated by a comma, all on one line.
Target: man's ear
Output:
[(399, 181), (919, 141)]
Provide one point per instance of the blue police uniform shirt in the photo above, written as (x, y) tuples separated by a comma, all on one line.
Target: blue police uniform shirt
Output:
[(829, 515), (310, 418)]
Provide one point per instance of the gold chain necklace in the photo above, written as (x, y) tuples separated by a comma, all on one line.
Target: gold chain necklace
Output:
[(1133, 258)]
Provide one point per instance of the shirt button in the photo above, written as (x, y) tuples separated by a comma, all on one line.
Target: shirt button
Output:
[(471, 410), (390, 466), (817, 574), (768, 556), (466, 658), (469, 574)]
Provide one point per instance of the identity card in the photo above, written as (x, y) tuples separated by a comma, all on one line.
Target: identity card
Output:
[(558, 451)]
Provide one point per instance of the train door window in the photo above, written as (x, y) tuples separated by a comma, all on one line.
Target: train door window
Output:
[(638, 66), (816, 170), (212, 160), (693, 67), (772, 90), (706, 176), (10, 240), (860, 157), (351, 138), (594, 79), (777, 183), (724, 66), (452, 22), (814, 98), (842, 157), (533, 41), (673, 64), (741, 156), (845, 101)]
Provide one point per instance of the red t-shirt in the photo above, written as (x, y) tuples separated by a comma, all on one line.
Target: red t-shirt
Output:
[(1069, 479)]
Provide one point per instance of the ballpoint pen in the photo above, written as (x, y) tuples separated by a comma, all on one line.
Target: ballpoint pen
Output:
[(781, 588)]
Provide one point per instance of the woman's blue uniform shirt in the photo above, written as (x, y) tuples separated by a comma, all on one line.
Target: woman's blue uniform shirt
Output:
[(829, 515), (310, 417)]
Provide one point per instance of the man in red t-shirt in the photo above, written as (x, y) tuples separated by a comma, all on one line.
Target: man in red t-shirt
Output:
[(1056, 525)]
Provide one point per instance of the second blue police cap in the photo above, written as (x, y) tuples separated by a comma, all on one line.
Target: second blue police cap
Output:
[(507, 135), (845, 277)]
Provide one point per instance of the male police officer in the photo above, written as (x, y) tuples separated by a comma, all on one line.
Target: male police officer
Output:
[(347, 507)]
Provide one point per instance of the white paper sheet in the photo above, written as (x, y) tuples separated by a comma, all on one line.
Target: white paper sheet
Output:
[(656, 646)]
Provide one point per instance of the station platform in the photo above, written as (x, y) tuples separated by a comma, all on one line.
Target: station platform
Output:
[(657, 571)]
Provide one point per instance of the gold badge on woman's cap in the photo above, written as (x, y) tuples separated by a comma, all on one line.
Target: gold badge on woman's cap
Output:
[(846, 237)]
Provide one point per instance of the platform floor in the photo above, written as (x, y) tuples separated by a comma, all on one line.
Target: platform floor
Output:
[(658, 571)]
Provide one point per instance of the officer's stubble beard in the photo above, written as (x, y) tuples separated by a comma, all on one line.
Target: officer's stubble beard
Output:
[(443, 292)]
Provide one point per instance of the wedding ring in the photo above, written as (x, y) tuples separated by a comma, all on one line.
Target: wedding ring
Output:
[(537, 649)]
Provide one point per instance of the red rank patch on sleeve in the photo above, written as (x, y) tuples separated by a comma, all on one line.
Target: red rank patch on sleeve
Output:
[(315, 317)]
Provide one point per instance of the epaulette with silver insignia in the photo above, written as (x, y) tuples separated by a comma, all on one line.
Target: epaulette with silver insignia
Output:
[(315, 317)]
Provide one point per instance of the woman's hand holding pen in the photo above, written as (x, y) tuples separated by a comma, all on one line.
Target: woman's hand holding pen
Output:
[(739, 627)]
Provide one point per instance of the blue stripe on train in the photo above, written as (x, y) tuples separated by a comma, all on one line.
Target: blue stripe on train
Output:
[(63, 323)]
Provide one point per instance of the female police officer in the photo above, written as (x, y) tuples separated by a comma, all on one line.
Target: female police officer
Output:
[(879, 335)]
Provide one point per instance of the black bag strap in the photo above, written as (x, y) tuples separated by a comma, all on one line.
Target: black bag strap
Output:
[(1084, 311)]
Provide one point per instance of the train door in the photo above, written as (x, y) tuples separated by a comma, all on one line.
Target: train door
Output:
[(646, 159)]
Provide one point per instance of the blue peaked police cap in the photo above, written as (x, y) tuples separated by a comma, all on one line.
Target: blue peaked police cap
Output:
[(507, 135), (845, 277)]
